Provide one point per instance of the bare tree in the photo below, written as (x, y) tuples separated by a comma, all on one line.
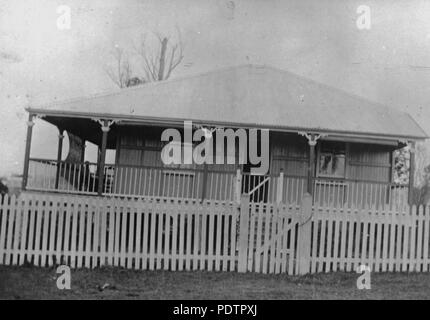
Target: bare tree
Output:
[(120, 73), (157, 61), (158, 64)]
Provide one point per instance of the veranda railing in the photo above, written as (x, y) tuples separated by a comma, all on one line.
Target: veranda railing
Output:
[(207, 183)]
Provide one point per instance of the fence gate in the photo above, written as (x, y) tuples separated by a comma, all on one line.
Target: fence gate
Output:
[(274, 237)]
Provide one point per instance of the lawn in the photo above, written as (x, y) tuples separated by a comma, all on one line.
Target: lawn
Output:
[(115, 283)]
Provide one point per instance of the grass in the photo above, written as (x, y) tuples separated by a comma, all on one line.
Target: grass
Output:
[(40, 283)]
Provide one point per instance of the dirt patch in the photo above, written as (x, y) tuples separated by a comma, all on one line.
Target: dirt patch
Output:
[(116, 283)]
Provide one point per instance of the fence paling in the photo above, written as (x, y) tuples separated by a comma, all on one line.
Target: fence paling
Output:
[(189, 235)]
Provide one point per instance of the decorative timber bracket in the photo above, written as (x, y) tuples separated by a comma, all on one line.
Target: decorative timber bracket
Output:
[(105, 124), (312, 137), (404, 142), (33, 117), (208, 130)]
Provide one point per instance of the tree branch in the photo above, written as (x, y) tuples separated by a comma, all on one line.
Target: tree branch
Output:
[(157, 64)]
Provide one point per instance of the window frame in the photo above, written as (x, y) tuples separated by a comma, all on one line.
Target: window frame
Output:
[(318, 162)]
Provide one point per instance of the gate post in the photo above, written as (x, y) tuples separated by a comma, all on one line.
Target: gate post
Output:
[(304, 245), (243, 233), (280, 188), (238, 190)]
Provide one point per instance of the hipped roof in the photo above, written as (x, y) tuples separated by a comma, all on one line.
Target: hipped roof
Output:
[(249, 96)]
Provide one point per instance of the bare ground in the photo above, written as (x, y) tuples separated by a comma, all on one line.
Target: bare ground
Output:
[(116, 283)]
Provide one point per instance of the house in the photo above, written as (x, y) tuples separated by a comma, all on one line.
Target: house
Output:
[(326, 202), (334, 145)]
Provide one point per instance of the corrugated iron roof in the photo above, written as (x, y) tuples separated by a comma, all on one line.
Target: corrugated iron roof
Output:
[(249, 95)]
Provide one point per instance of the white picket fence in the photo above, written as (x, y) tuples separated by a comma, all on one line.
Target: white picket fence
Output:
[(384, 240), (178, 234), (141, 234)]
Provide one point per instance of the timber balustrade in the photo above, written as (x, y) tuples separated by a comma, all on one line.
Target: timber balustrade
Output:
[(207, 183), (68, 177), (359, 193)]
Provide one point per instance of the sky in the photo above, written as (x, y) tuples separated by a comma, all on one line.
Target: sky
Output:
[(388, 63)]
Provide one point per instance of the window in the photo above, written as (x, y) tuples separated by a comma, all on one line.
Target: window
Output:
[(331, 160)]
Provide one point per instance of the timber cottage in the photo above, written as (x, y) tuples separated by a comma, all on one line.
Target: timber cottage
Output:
[(328, 201), (336, 146)]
